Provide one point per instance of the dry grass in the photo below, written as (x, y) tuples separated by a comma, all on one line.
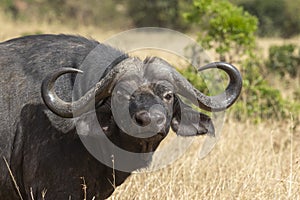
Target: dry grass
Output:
[(265, 43), (250, 162), (13, 178)]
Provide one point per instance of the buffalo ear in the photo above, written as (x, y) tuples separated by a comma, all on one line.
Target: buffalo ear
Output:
[(188, 122)]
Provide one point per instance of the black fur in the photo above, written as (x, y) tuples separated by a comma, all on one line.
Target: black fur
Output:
[(44, 150)]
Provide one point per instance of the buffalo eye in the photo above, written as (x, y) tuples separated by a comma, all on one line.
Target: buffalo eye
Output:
[(168, 96)]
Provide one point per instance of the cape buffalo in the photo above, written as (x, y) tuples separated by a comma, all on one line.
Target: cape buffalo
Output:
[(44, 107)]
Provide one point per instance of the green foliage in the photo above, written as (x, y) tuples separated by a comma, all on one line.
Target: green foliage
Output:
[(9, 7), (297, 96), (224, 27), (157, 13), (291, 24), (112, 13), (193, 77), (284, 60), (6, 3), (100, 13), (258, 100), (276, 17)]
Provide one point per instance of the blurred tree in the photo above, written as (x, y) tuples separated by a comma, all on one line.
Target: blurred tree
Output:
[(224, 27), (291, 24), (284, 60), (101, 13), (14, 7), (267, 13), (229, 31), (115, 13), (157, 13), (276, 17)]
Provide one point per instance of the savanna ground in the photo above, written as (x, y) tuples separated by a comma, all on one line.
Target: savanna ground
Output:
[(251, 161)]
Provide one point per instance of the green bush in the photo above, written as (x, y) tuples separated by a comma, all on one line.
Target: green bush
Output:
[(193, 77), (224, 27), (284, 60), (276, 17), (157, 13), (112, 13), (258, 101), (227, 29), (105, 13)]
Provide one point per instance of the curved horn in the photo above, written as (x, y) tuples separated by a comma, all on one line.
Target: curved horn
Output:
[(54, 103), (72, 109), (231, 93), (212, 103)]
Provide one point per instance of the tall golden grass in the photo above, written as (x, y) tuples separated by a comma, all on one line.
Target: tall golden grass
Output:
[(251, 161)]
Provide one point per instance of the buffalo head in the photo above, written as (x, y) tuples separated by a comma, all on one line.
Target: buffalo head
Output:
[(141, 98)]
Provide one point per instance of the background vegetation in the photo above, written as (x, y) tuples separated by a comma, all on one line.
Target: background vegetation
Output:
[(259, 155), (276, 17), (229, 30)]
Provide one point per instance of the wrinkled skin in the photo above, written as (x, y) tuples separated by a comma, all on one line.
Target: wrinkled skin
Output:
[(44, 150)]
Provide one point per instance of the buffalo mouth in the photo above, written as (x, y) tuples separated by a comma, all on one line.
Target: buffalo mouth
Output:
[(149, 133)]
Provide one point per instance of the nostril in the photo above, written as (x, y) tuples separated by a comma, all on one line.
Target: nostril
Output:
[(142, 118)]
